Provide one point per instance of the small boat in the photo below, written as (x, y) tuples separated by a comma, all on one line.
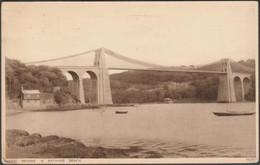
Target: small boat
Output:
[(233, 113), (168, 100), (121, 112)]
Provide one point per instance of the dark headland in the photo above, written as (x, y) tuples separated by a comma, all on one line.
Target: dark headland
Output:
[(21, 144)]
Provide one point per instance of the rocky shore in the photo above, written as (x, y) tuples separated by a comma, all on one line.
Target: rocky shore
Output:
[(67, 107), (21, 144)]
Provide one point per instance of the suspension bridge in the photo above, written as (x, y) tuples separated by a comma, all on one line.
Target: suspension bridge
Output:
[(233, 77)]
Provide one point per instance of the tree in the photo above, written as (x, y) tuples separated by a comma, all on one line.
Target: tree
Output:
[(63, 95), (251, 94), (59, 97)]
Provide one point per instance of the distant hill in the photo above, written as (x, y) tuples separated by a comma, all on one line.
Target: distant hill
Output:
[(250, 63)]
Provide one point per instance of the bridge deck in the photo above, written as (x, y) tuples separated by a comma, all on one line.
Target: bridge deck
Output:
[(150, 69), (171, 70)]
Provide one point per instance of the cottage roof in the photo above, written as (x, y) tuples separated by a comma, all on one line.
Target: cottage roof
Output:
[(31, 92)]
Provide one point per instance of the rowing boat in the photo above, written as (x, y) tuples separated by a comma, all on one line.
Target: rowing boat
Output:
[(121, 112), (230, 113)]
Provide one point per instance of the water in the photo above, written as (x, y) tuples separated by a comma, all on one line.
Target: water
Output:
[(172, 130)]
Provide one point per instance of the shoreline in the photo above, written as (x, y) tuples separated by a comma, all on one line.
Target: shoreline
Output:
[(64, 108), (21, 144)]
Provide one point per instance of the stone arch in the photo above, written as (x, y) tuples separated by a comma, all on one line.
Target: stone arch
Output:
[(74, 75), (246, 85), (74, 84), (91, 87), (238, 88)]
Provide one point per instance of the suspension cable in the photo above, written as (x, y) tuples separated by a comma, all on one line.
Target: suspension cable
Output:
[(61, 58)]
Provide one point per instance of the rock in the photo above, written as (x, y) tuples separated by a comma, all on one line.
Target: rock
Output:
[(66, 140), (17, 132), (79, 144), (20, 145), (153, 154), (50, 138), (99, 152), (14, 136), (25, 141), (36, 135)]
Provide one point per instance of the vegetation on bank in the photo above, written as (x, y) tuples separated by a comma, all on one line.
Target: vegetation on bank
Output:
[(42, 78), (152, 86)]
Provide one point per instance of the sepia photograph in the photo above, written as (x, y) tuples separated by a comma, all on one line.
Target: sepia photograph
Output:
[(129, 82)]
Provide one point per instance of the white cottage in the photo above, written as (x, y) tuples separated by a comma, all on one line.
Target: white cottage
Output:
[(30, 99)]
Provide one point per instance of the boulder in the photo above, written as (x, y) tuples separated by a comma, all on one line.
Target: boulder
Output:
[(17, 132)]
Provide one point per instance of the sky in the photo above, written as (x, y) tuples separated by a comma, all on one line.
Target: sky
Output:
[(164, 33)]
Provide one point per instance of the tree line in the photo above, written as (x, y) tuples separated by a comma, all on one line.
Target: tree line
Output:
[(43, 78), (152, 86)]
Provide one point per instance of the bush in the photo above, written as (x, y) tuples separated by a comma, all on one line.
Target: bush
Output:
[(60, 97)]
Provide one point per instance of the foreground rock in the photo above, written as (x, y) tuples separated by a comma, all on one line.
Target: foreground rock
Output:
[(20, 144)]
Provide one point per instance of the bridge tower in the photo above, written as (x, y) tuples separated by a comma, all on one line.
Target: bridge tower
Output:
[(232, 86), (100, 82), (103, 86), (226, 90)]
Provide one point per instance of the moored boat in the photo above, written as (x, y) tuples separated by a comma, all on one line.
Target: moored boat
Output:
[(121, 112), (231, 113)]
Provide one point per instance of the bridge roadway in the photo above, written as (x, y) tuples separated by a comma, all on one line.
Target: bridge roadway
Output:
[(150, 69)]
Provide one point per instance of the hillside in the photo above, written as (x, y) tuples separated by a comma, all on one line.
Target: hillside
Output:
[(250, 63), (152, 86), (42, 78)]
